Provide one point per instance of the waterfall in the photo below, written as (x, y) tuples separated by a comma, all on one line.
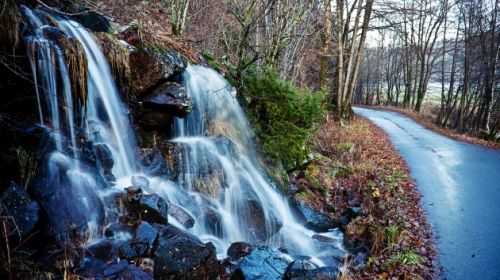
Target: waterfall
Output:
[(220, 184)]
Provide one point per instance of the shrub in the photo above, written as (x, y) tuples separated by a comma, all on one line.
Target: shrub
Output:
[(282, 115)]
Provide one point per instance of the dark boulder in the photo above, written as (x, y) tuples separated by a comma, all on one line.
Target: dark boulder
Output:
[(181, 215), (150, 207), (149, 68), (16, 203), (260, 226), (132, 272), (105, 160), (153, 162), (262, 263), (142, 242), (312, 219), (331, 248), (181, 255), (349, 214), (94, 21), (152, 120), (104, 249), (213, 221), (69, 205), (238, 250), (298, 271), (170, 98)]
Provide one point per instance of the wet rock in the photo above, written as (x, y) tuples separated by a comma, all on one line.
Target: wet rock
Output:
[(153, 162), (68, 215), (331, 248), (181, 216), (16, 203), (104, 250), (172, 152), (213, 221), (311, 218), (259, 229), (150, 207), (141, 243), (169, 98), (262, 263), (349, 215), (94, 21), (145, 236), (153, 120), (149, 68), (140, 182), (181, 255), (115, 268), (237, 250), (297, 271), (105, 160), (132, 272)]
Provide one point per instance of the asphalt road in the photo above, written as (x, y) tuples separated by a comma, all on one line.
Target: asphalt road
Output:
[(460, 184)]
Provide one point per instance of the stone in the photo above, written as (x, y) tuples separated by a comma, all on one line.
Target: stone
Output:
[(297, 271), (150, 207), (67, 214), (262, 263), (153, 162), (104, 250), (259, 229), (312, 219), (153, 120), (105, 160), (181, 255), (238, 250), (94, 21), (181, 215), (16, 203), (150, 68), (114, 269), (132, 272), (349, 214), (170, 98)]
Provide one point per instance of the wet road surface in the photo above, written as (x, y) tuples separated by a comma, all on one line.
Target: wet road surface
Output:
[(460, 184)]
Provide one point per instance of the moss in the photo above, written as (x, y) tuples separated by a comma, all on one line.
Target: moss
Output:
[(283, 116), (344, 147), (341, 170)]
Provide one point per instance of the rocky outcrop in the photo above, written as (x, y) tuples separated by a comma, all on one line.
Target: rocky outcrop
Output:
[(181, 215), (150, 68), (153, 161), (23, 212), (149, 207), (67, 215), (300, 270), (181, 255), (169, 97), (311, 218), (238, 250), (262, 263)]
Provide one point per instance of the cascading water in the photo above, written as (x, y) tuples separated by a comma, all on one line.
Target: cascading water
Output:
[(220, 184)]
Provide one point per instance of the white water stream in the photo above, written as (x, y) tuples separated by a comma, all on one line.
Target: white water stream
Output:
[(220, 184)]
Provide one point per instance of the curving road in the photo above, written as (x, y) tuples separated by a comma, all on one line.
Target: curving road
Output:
[(460, 184)]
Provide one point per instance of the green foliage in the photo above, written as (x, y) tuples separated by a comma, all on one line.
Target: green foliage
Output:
[(282, 115), (408, 257)]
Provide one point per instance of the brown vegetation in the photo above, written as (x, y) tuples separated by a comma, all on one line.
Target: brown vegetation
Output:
[(359, 167)]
